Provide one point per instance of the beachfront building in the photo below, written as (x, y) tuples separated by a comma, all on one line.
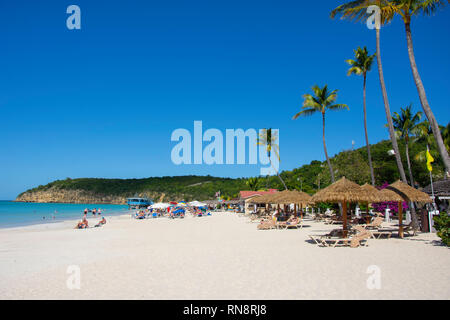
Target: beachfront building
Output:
[(441, 192), (137, 203), (246, 196)]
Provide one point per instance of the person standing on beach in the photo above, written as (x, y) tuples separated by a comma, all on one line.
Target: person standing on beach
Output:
[(85, 211), (94, 211), (99, 212)]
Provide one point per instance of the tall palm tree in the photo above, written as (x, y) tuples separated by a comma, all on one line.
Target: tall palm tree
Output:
[(269, 139), (405, 124), (406, 9), (361, 66), (446, 136), (252, 183), (322, 100), (357, 10), (424, 133)]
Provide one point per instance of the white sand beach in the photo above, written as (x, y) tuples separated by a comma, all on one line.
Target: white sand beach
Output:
[(219, 257)]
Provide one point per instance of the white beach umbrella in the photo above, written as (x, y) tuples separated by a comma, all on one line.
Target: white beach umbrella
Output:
[(160, 205), (197, 204)]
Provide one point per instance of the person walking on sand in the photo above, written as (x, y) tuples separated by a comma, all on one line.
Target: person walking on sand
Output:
[(99, 212), (85, 211), (94, 211)]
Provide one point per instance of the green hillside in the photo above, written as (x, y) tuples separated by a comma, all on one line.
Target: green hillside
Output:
[(351, 163)]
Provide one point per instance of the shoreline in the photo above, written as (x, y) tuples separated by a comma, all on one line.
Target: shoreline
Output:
[(221, 257), (20, 214)]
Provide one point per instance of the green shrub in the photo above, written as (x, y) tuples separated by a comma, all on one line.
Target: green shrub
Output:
[(442, 226)]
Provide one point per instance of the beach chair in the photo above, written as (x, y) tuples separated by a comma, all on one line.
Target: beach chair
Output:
[(375, 224), (410, 229), (291, 223), (267, 225), (357, 240), (254, 218)]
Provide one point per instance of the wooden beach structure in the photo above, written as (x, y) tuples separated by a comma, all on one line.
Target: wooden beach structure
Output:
[(406, 193), (345, 191)]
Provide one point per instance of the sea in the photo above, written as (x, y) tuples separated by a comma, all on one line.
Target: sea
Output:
[(17, 214)]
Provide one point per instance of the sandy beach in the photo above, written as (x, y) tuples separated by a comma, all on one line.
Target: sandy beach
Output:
[(219, 257)]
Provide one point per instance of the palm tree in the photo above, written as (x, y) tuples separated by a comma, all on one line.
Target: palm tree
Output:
[(405, 124), (269, 139), (424, 133), (322, 100), (406, 9), (361, 66), (446, 136), (252, 183), (357, 10)]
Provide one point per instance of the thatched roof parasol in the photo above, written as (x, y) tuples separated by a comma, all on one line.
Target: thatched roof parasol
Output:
[(369, 187), (262, 199), (383, 195), (345, 190), (389, 195), (409, 193), (294, 196)]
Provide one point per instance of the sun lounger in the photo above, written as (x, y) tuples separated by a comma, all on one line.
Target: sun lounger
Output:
[(357, 240), (267, 225), (375, 224), (291, 223)]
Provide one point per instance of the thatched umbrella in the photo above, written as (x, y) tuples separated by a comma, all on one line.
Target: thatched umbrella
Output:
[(372, 190), (409, 193), (344, 191), (261, 199), (389, 195), (298, 198), (406, 193)]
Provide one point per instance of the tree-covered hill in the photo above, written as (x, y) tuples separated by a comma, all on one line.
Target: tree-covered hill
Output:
[(350, 163)]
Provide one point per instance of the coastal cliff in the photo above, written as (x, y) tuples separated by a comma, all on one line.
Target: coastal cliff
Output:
[(55, 195)]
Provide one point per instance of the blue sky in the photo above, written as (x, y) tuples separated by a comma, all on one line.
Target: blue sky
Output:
[(103, 101)]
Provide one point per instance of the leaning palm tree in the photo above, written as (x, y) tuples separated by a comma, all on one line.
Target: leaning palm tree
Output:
[(268, 139), (322, 100), (405, 124), (446, 136), (357, 10), (423, 133), (361, 66), (252, 183), (406, 9)]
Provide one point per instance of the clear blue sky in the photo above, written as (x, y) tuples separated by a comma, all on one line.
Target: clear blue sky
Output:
[(103, 101)]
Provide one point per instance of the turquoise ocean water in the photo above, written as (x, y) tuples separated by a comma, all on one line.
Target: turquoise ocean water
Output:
[(15, 214)]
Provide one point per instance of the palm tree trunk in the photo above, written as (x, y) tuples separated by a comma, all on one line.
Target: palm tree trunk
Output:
[(423, 98), (325, 148), (284, 184), (408, 161), (414, 219), (372, 175), (388, 112)]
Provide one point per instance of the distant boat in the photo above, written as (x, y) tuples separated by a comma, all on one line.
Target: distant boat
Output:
[(136, 203)]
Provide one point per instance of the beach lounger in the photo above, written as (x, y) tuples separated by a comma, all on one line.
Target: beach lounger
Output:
[(291, 223), (267, 225), (255, 218), (375, 224), (357, 240), (410, 229)]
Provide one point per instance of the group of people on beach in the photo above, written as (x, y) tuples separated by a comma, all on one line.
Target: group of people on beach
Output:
[(84, 224), (94, 211)]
